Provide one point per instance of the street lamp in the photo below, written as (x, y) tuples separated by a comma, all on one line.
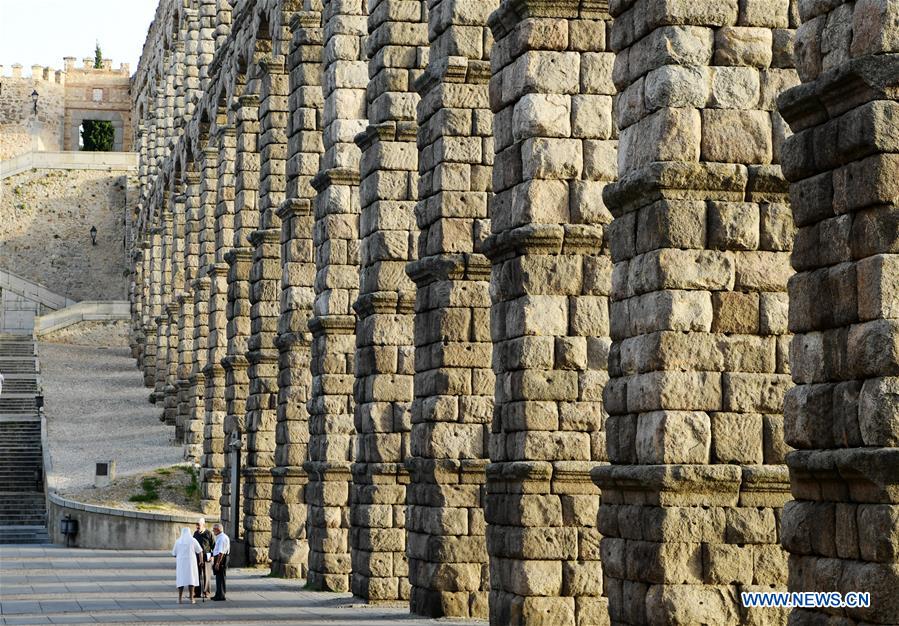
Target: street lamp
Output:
[(94, 235), (34, 97)]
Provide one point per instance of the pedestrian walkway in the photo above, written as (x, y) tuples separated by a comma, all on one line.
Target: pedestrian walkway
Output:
[(54, 585)]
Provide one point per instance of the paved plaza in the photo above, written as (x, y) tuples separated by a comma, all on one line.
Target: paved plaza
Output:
[(54, 585)]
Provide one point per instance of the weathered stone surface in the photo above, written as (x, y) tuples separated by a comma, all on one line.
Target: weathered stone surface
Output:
[(438, 293), (842, 413)]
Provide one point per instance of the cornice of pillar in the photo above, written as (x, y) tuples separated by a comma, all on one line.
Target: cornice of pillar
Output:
[(217, 269), (677, 180), (287, 341), (250, 100), (386, 302), (267, 235), (452, 70), (273, 65), (544, 239), (236, 255), (333, 325), (305, 20), (456, 266), (234, 362), (670, 485), (294, 207), (335, 176), (387, 131), (326, 471), (841, 89), (511, 12)]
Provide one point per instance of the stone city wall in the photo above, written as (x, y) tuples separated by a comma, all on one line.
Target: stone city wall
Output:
[(65, 99), (21, 130), (45, 221), (540, 312)]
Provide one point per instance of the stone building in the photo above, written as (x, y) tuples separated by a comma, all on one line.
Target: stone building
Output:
[(65, 99), (542, 312)]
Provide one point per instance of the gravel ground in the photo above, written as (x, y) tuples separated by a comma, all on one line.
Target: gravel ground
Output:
[(97, 410)]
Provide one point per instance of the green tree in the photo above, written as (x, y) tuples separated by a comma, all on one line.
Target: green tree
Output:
[(97, 135)]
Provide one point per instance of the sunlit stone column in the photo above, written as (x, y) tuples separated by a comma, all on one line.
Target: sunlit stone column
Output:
[(170, 406), (265, 290), (213, 459), (186, 321), (842, 529), (162, 326), (240, 259), (208, 166), (336, 235), (555, 144), (290, 546), (699, 361), (153, 296), (453, 383), (397, 52)]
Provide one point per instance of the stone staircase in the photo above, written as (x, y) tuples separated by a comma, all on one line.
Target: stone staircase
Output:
[(23, 508)]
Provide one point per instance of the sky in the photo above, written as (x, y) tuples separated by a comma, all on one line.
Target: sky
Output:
[(42, 32)]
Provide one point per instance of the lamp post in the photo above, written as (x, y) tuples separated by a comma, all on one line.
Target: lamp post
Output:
[(34, 97), (93, 232)]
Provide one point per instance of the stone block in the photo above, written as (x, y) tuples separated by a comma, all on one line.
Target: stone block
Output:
[(673, 437), (732, 136)]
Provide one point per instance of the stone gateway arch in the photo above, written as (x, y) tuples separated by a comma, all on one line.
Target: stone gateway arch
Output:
[(547, 312)]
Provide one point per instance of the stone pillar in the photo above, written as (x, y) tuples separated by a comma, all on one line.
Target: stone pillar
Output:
[(208, 172), (202, 285), (143, 289), (265, 289), (136, 334), (172, 309), (385, 352), (841, 529), (240, 259), (154, 304), (186, 353), (336, 239), (185, 341), (189, 77), (222, 23), (162, 329), (213, 460), (290, 546), (170, 404), (453, 383), (555, 147), (699, 361), (207, 13)]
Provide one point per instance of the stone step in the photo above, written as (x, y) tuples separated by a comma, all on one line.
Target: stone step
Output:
[(35, 519), (18, 366), (25, 534)]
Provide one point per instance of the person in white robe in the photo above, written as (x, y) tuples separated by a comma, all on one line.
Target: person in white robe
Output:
[(186, 574)]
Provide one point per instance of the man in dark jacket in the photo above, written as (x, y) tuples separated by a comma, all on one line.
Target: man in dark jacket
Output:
[(204, 560)]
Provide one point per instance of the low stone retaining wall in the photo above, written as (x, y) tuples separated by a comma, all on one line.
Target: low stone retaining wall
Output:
[(88, 311), (74, 160), (115, 529)]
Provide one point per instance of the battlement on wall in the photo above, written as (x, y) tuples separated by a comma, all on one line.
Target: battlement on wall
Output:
[(38, 73), (124, 69), (71, 70)]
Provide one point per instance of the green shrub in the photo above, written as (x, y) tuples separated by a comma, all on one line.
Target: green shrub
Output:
[(150, 488)]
